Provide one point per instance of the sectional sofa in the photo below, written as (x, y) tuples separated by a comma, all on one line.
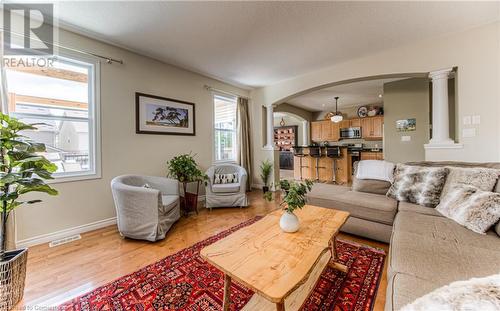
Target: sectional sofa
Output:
[(427, 250)]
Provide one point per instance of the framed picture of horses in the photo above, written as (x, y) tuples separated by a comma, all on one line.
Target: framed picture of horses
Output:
[(164, 116)]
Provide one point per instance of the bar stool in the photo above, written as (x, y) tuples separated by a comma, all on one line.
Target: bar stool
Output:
[(299, 152), (315, 152), (333, 153)]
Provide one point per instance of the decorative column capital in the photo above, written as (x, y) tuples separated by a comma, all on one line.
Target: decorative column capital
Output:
[(440, 74)]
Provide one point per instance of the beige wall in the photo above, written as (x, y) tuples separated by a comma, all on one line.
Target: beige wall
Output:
[(124, 151), (306, 115), (475, 52), (406, 99)]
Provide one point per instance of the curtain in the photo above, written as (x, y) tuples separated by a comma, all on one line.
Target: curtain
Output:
[(244, 133), (4, 97)]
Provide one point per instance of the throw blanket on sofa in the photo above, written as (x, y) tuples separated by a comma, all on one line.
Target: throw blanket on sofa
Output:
[(481, 294), (375, 169)]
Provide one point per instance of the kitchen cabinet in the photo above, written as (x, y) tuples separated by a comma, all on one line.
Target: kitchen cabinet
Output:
[(371, 155), (355, 122), (316, 131), (371, 127), (344, 124), (324, 131), (342, 169)]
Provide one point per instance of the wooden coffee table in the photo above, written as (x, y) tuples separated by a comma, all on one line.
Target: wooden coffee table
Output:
[(281, 268)]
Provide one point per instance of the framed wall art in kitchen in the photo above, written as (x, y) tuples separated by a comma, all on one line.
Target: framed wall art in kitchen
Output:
[(165, 116)]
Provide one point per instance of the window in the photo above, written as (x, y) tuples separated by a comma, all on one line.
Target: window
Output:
[(225, 128), (63, 97)]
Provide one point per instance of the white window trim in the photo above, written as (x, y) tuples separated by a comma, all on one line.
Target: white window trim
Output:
[(214, 161), (94, 121)]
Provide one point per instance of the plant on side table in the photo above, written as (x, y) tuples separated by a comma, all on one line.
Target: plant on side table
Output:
[(294, 198), (185, 169), (266, 168), (22, 170)]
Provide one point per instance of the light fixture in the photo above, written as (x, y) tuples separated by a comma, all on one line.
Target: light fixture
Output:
[(337, 117), (379, 95)]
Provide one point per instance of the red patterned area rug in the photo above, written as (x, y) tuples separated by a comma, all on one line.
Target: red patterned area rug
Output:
[(184, 281)]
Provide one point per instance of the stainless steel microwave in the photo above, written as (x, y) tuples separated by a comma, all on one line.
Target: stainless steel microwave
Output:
[(350, 132)]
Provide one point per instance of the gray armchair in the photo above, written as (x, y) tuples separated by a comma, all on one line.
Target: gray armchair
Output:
[(226, 195), (146, 206)]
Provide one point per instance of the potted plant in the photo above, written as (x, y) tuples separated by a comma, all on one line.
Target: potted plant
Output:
[(185, 169), (294, 198), (266, 167), (22, 170)]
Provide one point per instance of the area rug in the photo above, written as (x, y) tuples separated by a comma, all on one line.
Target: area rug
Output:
[(184, 281)]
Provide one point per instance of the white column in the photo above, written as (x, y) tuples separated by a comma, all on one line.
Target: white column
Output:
[(270, 128), (305, 133), (440, 113)]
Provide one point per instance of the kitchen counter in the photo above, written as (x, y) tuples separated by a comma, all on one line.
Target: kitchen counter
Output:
[(323, 168)]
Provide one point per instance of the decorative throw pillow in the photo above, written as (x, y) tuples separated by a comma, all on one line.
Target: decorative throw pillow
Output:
[(225, 178), (479, 177), (419, 185), (471, 207), (147, 186), (474, 294)]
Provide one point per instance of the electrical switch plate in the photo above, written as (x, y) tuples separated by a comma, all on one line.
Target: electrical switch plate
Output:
[(469, 132), (476, 119), (405, 138), (467, 120)]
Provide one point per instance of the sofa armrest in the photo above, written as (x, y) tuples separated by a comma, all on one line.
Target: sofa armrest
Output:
[(167, 186)]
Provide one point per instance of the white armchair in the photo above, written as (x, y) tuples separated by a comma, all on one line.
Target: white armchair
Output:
[(229, 194), (145, 212)]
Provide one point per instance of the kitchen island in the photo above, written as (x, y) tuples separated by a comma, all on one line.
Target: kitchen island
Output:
[(322, 168)]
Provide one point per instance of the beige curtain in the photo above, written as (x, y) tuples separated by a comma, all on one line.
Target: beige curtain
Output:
[(244, 133)]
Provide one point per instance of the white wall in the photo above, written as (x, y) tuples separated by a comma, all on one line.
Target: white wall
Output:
[(475, 52), (124, 151)]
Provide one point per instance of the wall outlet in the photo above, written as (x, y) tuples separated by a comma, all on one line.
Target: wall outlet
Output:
[(469, 132), (467, 120), (476, 119), (405, 138)]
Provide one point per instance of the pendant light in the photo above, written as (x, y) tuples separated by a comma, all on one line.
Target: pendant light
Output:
[(337, 117)]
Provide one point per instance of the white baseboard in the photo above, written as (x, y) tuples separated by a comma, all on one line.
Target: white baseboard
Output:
[(45, 238)]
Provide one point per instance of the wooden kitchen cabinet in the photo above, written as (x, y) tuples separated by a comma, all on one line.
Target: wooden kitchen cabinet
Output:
[(344, 124), (342, 170), (370, 155), (371, 127), (316, 131), (355, 122), (324, 131)]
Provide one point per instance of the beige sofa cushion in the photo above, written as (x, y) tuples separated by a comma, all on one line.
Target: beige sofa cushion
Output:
[(370, 186), (439, 250), (404, 289), (415, 208), (497, 228), (367, 206)]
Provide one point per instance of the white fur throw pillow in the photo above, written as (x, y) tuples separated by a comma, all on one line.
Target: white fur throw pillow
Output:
[(419, 185), (479, 177), (481, 294), (471, 207)]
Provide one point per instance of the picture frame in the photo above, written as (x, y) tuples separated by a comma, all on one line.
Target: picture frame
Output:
[(163, 116), (406, 125)]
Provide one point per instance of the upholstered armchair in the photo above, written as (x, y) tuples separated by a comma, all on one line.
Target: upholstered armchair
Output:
[(146, 206), (226, 194)]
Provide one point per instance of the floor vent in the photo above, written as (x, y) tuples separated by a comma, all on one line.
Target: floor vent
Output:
[(65, 240)]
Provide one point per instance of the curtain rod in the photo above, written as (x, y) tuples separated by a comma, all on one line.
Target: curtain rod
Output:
[(108, 60), (208, 87)]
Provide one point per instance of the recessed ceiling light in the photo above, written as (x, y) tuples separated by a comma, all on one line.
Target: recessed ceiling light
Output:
[(379, 95)]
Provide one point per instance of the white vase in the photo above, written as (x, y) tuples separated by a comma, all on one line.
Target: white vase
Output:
[(289, 222)]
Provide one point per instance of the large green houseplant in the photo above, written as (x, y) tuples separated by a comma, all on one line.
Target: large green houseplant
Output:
[(22, 170), (185, 169)]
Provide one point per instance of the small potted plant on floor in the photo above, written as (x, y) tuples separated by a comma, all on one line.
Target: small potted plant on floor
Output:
[(22, 170), (266, 167), (185, 169)]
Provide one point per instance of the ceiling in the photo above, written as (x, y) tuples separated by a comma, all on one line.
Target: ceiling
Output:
[(260, 43), (354, 94)]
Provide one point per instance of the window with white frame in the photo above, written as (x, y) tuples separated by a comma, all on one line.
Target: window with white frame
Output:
[(63, 99), (225, 139)]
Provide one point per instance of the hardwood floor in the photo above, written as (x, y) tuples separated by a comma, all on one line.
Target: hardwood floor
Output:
[(55, 275)]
